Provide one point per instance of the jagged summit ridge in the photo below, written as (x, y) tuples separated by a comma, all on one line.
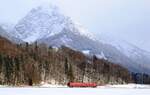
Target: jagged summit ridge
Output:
[(46, 21)]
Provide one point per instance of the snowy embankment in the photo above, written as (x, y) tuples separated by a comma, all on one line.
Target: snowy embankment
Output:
[(48, 89), (127, 86), (46, 85)]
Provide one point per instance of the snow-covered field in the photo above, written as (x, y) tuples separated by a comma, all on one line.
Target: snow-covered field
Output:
[(127, 86), (73, 91), (47, 89)]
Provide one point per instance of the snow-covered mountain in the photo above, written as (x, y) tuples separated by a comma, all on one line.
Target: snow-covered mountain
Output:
[(8, 35), (46, 24), (136, 54)]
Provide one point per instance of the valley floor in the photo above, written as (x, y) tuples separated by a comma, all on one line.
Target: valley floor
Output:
[(130, 89)]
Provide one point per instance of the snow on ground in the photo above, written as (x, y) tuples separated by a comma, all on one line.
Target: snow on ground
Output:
[(46, 85), (47, 89), (127, 86), (72, 91)]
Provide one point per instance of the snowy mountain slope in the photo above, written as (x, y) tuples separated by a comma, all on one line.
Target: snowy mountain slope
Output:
[(43, 22), (8, 35), (136, 54), (46, 24), (8, 27)]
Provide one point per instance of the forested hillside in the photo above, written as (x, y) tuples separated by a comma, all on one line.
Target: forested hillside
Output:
[(30, 64)]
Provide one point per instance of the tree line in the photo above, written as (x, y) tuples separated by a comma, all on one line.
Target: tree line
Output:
[(36, 63)]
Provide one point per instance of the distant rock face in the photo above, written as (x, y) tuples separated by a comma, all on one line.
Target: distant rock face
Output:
[(46, 24)]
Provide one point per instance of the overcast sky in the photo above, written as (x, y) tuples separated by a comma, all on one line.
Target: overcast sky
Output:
[(127, 19)]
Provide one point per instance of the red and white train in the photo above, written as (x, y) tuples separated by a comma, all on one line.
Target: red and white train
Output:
[(78, 84)]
